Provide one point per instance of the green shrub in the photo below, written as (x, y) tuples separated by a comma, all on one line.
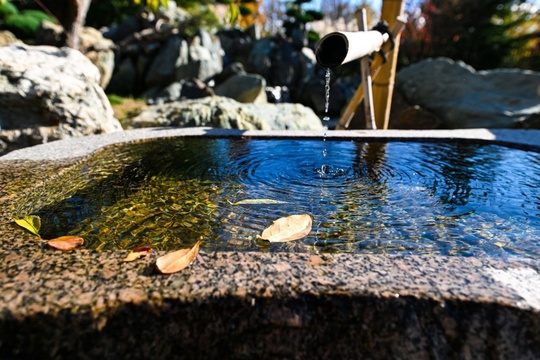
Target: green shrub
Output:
[(8, 9), (24, 24)]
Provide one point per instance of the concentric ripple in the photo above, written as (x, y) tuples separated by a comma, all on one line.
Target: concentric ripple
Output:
[(395, 197)]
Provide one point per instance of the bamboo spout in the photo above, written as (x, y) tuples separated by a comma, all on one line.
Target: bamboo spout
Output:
[(340, 47)]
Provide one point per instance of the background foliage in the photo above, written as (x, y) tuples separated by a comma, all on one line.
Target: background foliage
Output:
[(483, 33)]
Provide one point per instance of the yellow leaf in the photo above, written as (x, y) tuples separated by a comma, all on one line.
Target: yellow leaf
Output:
[(288, 228), (177, 260), (31, 223), (233, 13), (138, 252), (499, 244), (66, 242)]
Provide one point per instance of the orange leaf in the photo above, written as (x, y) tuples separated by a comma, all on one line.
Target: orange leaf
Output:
[(177, 260), (138, 252), (66, 242), (288, 228)]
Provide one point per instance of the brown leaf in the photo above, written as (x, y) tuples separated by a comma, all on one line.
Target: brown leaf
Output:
[(177, 260), (66, 242), (138, 252), (288, 228)]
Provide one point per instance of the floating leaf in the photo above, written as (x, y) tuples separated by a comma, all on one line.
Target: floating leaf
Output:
[(177, 260), (259, 202), (66, 242), (288, 228), (138, 252), (31, 223), (499, 244)]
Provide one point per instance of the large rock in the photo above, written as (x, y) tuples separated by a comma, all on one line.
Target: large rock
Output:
[(245, 88), (464, 98), (7, 37), (205, 53), (173, 55), (47, 94), (222, 112), (100, 52), (92, 44)]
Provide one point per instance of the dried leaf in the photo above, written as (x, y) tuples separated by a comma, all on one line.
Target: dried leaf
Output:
[(177, 260), (31, 223), (66, 242), (288, 228), (259, 202), (138, 252)]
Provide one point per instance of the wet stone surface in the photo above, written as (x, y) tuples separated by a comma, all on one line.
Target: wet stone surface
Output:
[(90, 304)]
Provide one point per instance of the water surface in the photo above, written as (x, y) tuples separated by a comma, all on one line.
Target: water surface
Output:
[(364, 197)]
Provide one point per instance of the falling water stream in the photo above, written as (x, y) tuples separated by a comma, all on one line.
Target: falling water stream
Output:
[(326, 118), (326, 94)]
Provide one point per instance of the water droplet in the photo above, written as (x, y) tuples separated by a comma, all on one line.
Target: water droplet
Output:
[(326, 118)]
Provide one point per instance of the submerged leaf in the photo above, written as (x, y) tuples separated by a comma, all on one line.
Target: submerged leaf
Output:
[(31, 223), (288, 228), (138, 252), (259, 202), (177, 260), (66, 242)]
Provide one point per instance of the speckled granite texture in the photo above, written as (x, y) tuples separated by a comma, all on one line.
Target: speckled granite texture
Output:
[(90, 305)]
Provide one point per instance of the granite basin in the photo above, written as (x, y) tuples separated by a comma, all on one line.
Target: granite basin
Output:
[(245, 305)]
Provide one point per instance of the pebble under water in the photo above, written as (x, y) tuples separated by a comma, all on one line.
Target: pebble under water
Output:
[(365, 197)]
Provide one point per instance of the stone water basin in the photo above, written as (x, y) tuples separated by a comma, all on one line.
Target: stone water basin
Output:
[(319, 299)]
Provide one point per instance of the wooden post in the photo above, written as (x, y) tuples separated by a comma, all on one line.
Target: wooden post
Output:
[(366, 80), (383, 86)]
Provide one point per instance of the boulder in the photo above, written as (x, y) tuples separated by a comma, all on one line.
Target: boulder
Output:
[(171, 56), (7, 37), (222, 112), (49, 93), (245, 88), (205, 53), (100, 52), (179, 90), (464, 98), (92, 44)]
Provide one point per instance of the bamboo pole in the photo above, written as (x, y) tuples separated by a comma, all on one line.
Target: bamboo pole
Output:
[(375, 68), (383, 87), (366, 79)]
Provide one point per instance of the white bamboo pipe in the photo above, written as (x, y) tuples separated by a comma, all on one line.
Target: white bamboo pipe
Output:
[(340, 47)]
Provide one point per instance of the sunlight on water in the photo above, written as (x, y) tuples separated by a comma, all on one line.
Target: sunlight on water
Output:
[(364, 197)]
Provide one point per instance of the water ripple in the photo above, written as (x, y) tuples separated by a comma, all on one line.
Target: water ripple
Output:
[(396, 197)]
